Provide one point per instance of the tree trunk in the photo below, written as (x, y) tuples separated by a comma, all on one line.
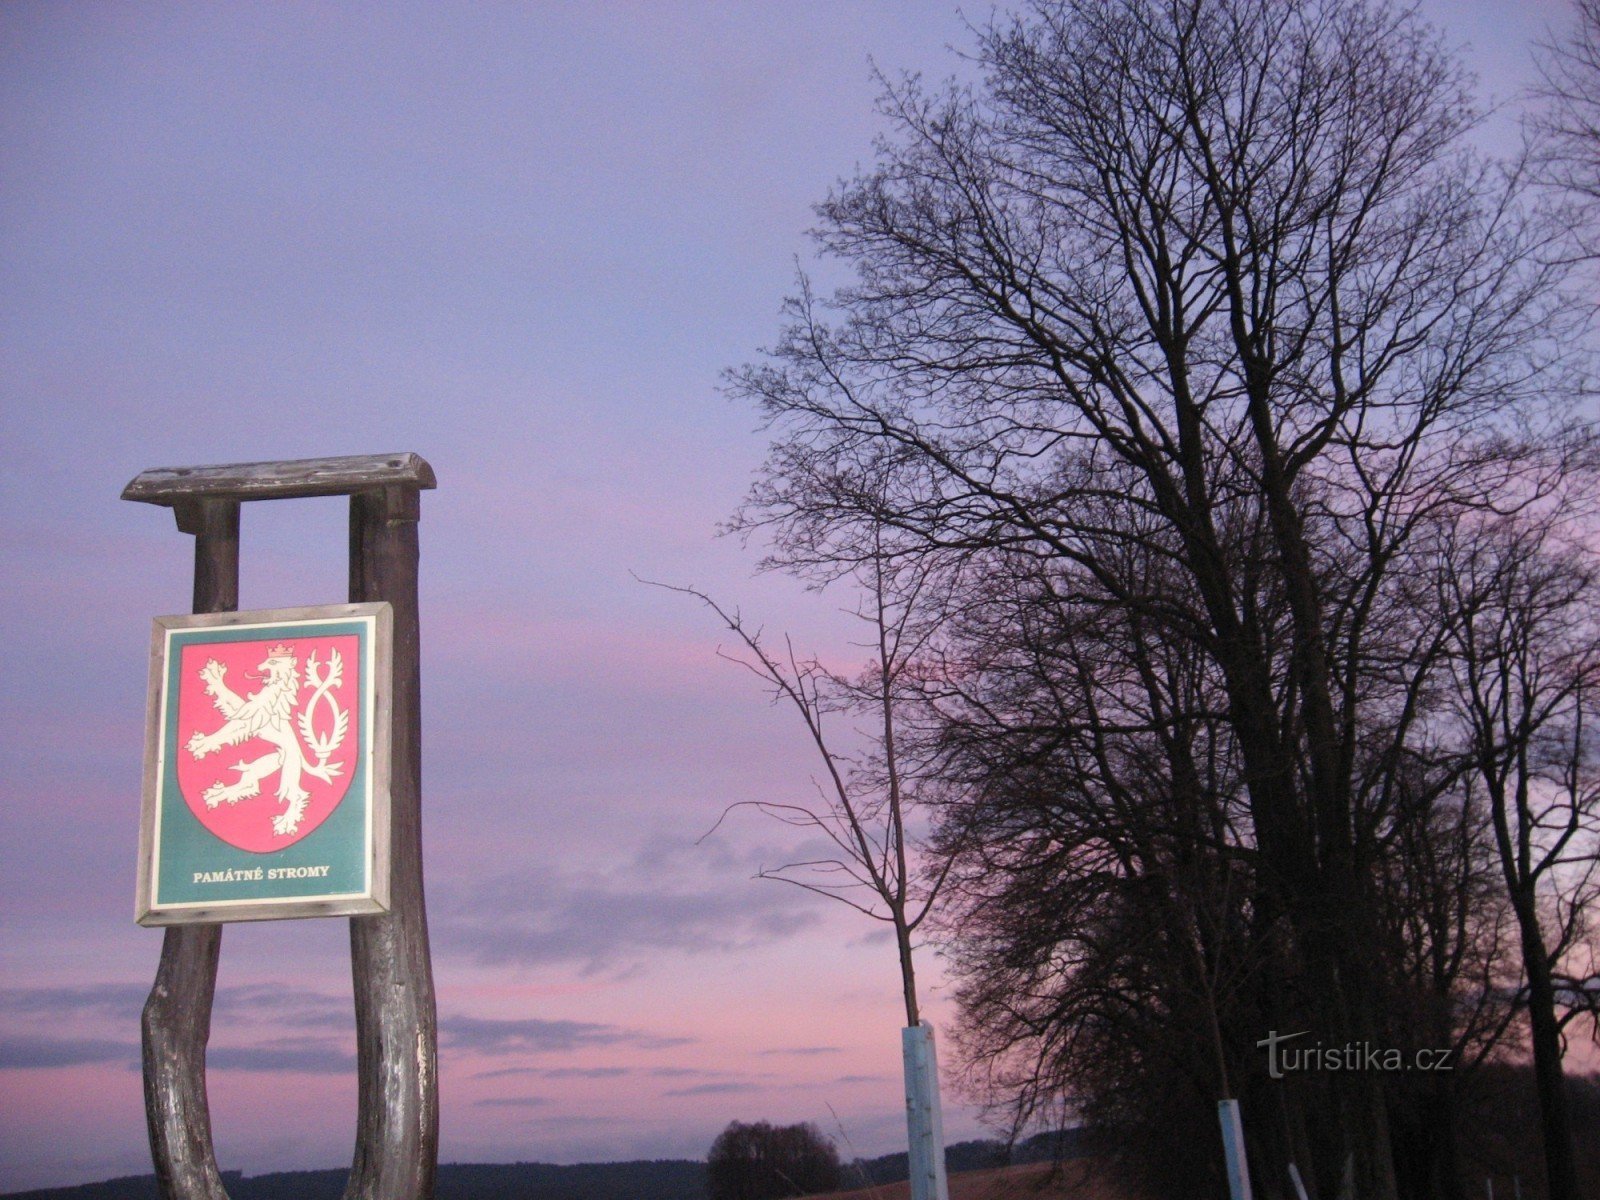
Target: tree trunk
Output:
[(1560, 1166)]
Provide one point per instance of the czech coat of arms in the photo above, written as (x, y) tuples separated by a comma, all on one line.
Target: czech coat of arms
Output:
[(265, 735)]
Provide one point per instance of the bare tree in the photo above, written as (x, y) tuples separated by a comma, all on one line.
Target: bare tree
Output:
[(760, 1161), (1526, 636), (1568, 123), (866, 801), (1100, 914), (1215, 278), (1116, 933)]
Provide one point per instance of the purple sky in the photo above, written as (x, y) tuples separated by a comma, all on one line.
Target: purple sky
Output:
[(522, 241)]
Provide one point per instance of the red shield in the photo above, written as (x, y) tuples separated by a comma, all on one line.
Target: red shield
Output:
[(268, 735)]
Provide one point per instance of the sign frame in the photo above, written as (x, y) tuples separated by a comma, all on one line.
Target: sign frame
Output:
[(169, 831)]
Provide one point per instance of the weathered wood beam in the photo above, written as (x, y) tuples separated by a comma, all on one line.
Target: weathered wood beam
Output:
[(174, 487)]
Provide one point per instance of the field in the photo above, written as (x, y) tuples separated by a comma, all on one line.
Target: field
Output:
[(1078, 1180)]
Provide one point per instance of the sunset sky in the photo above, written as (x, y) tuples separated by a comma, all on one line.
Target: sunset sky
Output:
[(523, 241)]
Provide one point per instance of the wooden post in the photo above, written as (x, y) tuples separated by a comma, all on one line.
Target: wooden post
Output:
[(397, 1143), (176, 1024), (397, 1134)]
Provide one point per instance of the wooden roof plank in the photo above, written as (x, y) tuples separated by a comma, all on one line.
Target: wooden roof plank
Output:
[(283, 480)]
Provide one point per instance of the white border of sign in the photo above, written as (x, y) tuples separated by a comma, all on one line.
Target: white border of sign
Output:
[(377, 674)]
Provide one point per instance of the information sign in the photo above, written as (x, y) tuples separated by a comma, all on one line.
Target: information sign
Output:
[(266, 788)]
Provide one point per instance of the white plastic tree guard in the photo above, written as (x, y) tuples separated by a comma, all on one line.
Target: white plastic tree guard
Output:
[(924, 1121), (1233, 1150)]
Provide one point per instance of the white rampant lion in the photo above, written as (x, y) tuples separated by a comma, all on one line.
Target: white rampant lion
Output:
[(266, 715)]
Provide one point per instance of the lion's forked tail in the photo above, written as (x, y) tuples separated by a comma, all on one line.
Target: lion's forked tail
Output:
[(322, 747)]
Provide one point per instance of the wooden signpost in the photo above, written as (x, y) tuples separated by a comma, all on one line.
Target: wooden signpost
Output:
[(397, 1135)]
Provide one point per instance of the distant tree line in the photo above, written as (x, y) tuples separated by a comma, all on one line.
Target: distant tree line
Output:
[(659, 1180), (662, 1179), (1220, 411)]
